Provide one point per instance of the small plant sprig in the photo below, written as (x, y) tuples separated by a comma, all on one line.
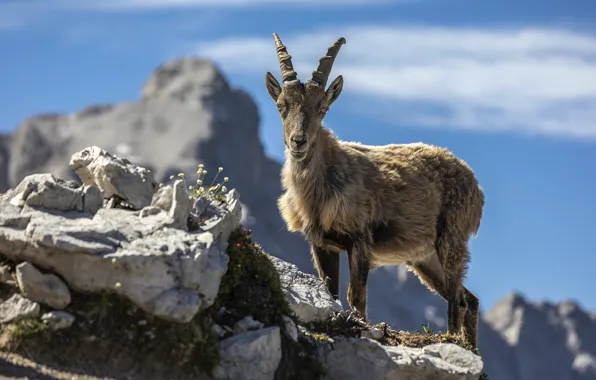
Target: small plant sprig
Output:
[(214, 190)]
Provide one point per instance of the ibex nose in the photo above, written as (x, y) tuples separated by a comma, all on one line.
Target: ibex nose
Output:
[(298, 141)]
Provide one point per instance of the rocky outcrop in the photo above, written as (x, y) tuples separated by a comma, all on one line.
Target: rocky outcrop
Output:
[(355, 359), (141, 253), (307, 295)]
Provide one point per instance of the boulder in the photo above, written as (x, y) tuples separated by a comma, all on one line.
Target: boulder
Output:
[(47, 289), (251, 355), (147, 256), (16, 308), (362, 358), (307, 295), (114, 176), (58, 320)]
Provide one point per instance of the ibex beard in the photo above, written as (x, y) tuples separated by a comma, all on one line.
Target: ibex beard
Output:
[(415, 203)]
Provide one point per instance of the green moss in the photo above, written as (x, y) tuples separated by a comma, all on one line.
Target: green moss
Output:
[(299, 361), (251, 285), (111, 336), (27, 327)]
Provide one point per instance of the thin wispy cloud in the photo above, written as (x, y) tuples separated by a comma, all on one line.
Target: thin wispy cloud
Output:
[(533, 80), (20, 14), (140, 5)]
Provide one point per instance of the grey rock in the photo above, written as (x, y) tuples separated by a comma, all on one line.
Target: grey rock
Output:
[(115, 176), (58, 320), (175, 203), (92, 199), (289, 328), (252, 355), (307, 295), (181, 205), (177, 305), (18, 307), (48, 192), (47, 289), (6, 276), (372, 334), (217, 329), (222, 218), (163, 198), (149, 211), (157, 267), (247, 323), (200, 205), (358, 358)]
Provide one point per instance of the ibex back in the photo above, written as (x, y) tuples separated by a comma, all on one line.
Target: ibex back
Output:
[(384, 205)]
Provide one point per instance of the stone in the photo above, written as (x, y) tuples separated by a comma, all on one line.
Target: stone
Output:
[(200, 205), (181, 205), (141, 257), (222, 218), (307, 295), (47, 289), (5, 275), (58, 320), (177, 305), (171, 202), (114, 176), (218, 330), (163, 198), (252, 355), (358, 358), (372, 334), (290, 328), (247, 323), (18, 307), (45, 191)]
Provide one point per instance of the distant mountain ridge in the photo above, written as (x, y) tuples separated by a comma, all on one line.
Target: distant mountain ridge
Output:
[(189, 114)]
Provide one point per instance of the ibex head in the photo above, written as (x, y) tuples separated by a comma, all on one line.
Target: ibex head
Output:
[(302, 107)]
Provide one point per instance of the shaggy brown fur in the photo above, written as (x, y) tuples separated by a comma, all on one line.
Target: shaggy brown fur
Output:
[(385, 205)]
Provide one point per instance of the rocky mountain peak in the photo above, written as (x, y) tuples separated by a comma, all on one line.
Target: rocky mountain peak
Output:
[(185, 79)]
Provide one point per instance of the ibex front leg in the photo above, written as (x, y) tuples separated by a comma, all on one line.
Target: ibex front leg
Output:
[(359, 261), (327, 265)]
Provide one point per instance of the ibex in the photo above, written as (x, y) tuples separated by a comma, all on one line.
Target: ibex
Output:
[(384, 205)]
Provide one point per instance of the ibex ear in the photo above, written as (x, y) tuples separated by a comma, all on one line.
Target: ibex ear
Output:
[(273, 86), (334, 90)]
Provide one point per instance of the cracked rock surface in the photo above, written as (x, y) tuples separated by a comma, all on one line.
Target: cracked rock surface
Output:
[(148, 257)]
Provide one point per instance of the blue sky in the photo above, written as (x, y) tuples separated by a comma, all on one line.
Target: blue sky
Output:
[(509, 86)]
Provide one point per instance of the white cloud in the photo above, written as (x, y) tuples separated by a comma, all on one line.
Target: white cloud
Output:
[(534, 80)]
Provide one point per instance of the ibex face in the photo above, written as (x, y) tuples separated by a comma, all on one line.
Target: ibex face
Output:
[(302, 107)]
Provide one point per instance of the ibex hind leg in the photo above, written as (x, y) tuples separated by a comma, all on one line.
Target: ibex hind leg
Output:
[(447, 281), (470, 328)]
